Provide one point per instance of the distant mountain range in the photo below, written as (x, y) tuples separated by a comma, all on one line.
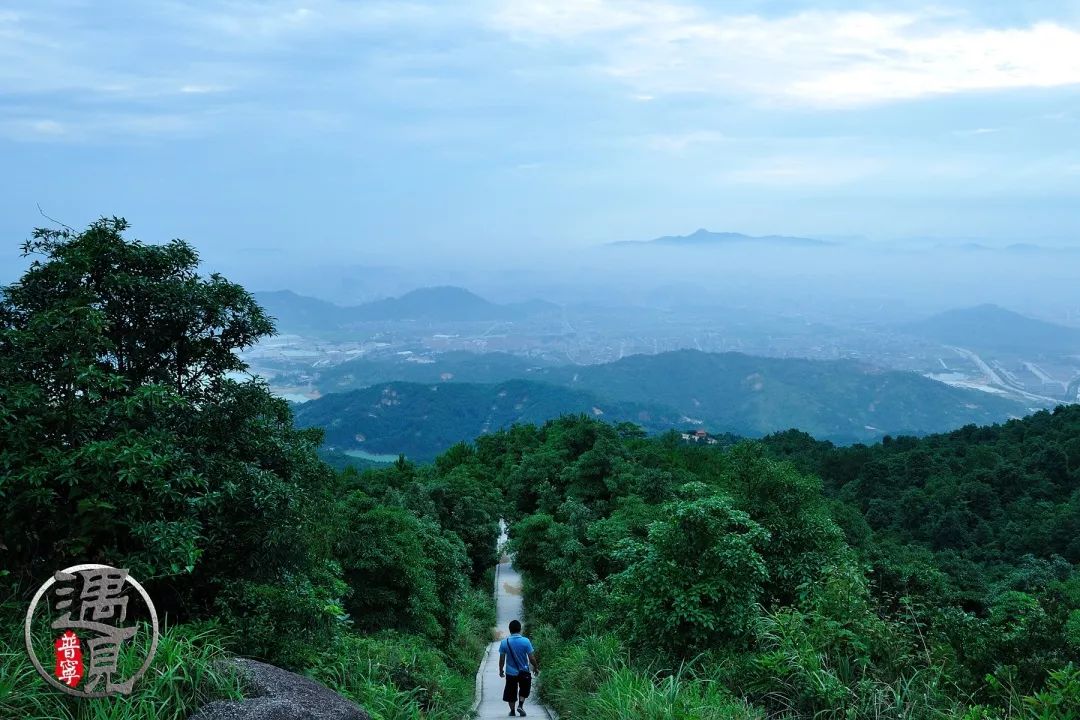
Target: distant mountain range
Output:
[(991, 327), (703, 237), (1014, 248), (841, 401), (297, 313)]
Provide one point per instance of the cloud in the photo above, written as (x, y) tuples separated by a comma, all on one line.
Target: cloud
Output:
[(979, 131), (681, 142), (195, 89), (122, 126), (46, 127), (803, 171), (139, 70), (386, 67), (823, 59), (270, 23)]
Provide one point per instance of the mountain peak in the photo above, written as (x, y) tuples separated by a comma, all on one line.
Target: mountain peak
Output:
[(703, 236), (442, 291), (440, 303)]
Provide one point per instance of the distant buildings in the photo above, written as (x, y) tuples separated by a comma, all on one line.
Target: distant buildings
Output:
[(699, 436)]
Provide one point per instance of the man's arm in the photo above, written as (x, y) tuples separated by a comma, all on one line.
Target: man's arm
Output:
[(532, 659), (502, 660)]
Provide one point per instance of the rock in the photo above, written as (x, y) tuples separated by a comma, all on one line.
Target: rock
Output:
[(277, 694)]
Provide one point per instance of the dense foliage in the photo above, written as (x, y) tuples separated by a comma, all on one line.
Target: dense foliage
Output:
[(930, 577), (125, 439)]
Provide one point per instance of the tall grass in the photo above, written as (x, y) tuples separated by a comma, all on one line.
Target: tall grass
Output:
[(186, 673), (472, 631), (396, 677), (629, 693), (593, 678)]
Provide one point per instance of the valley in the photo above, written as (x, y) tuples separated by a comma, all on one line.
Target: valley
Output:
[(712, 368)]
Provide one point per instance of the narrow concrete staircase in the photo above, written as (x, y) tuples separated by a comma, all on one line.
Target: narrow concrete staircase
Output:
[(508, 599)]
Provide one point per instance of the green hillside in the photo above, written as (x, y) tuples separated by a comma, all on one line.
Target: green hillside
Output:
[(751, 396), (458, 366), (838, 400), (422, 420), (919, 578)]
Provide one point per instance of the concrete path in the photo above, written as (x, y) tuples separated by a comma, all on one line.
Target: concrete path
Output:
[(489, 684)]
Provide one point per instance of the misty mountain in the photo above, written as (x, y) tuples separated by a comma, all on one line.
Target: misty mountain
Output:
[(422, 420), (447, 303), (297, 313), (294, 313), (991, 327), (703, 237)]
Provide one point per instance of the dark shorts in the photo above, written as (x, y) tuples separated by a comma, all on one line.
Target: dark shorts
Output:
[(517, 686)]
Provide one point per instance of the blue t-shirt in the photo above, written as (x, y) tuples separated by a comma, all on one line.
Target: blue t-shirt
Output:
[(516, 648)]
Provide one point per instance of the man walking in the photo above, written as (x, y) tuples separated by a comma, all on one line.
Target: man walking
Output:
[(515, 655)]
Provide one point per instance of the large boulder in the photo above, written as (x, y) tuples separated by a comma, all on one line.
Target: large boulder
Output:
[(276, 694)]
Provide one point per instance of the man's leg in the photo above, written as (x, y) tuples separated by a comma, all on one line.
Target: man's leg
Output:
[(510, 692), (524, 687)]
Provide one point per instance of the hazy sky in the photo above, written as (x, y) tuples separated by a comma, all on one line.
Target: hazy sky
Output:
[(290, 130)]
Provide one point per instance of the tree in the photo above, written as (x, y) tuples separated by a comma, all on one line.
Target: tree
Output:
[(790, 506), (695, 581), (123, 440), (406, 573), (470, 507)]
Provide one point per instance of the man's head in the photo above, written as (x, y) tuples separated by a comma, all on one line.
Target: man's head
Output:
[(515, 627)]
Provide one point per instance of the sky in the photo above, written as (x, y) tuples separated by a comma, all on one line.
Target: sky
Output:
[(278, 134)]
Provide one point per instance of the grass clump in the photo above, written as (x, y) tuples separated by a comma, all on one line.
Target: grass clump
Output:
[(187, 672)]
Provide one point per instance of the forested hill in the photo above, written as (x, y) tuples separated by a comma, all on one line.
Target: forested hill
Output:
[(924, 578), (464, 394), (989, 495), (841, 400), (424, 420), (455, 366)]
